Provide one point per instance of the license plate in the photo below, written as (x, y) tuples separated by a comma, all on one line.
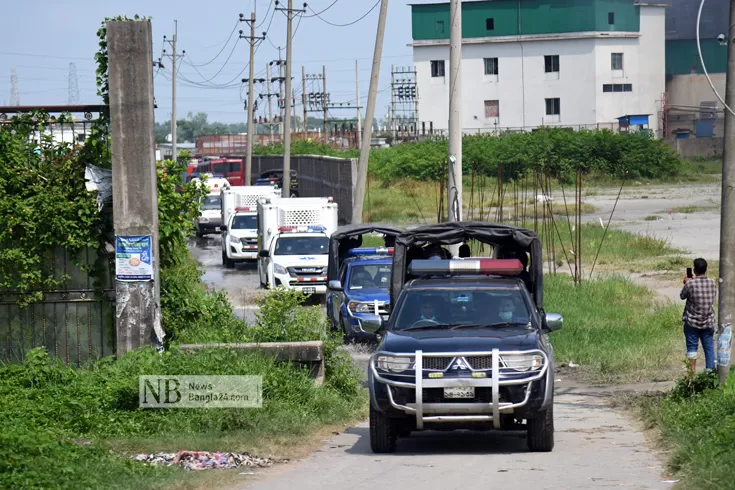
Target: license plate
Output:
[(309, 290), (459, 392)]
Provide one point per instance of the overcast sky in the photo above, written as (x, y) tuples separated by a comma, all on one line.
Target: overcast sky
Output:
[(49, 35)]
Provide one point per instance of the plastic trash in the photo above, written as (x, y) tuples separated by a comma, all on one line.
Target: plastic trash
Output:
[(203, 460)]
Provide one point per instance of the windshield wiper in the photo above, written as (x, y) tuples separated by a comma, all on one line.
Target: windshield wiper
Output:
[(489, 325), (433, 325)]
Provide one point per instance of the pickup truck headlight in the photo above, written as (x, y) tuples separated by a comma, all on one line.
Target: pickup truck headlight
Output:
[(357, 307), (279, 269), (202, 219), (234, 239), (394, 364), (524, 362)]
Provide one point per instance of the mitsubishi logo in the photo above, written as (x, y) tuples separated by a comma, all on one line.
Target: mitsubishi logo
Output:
[(460, 364)]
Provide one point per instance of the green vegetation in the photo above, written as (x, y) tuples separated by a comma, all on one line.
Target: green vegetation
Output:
[(651, 218), (45, 407), (693, 209), (696, 424), (703, 166), (673, 264), (612, 331)]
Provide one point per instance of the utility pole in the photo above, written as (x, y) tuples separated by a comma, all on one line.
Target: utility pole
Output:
[(251, 126), (287, 126), (270, 105), (454, 180), (726, 306), (174, 153), (281, 93), (393, 101), (359, 195), (325, 100), (303, 97), (357, 94)]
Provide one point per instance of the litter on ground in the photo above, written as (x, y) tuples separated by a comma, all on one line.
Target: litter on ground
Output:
[(203, 460)]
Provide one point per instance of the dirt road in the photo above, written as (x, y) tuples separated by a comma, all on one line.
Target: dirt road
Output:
[(596, 447)]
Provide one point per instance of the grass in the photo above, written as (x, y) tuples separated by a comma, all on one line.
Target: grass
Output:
[(693, 209), (701, 166), (695, 423), (651, 218), (45, 405), (611, 330), (416, 202)]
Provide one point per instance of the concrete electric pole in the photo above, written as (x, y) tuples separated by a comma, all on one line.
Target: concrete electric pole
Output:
[(251, 130), (454, 180), (357, 104), (287, 123), (362, 166), (174, 149), (726, 294)]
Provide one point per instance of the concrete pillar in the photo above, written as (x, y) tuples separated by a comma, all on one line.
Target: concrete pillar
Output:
[(134, 183)]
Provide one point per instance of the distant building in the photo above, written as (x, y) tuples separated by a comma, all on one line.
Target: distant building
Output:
[(570, 63), (692, 109)]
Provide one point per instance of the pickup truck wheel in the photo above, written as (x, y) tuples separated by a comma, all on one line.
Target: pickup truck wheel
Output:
[(541, 431), (227, 262), (383, 432)]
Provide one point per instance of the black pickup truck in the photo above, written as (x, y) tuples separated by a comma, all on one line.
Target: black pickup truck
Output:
[(466, 345)]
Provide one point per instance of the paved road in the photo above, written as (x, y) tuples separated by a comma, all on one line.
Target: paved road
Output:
[(596, 447)]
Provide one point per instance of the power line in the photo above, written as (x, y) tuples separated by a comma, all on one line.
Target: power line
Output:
[(350, 23), (221, 68), (220, 51), (317, 13)]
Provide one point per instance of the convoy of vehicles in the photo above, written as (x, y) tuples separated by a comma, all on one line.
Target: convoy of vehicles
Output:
[(466, 344), (239, 215), (463, 342), (293, 242)]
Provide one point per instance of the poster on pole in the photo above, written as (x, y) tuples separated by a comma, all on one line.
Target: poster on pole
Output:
[(133, 258)]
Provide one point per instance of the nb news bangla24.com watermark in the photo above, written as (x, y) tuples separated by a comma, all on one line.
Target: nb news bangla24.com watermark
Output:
[(200, 391)]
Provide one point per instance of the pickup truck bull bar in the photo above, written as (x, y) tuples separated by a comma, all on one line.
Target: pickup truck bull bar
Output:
[(482, 411)]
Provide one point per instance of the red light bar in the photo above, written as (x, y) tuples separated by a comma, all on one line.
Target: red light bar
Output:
[(479, 266), (243, 208)]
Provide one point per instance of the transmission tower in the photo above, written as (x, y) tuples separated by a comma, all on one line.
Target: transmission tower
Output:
[(73, 85), (404, 101), (14, 97)]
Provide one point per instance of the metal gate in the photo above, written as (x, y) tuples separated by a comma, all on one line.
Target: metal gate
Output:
[(75, 324)]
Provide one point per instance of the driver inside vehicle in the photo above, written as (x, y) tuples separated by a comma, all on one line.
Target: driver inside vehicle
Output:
[(427, 311)]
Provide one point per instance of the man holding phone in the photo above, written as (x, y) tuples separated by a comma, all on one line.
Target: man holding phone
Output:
[(699, 292)]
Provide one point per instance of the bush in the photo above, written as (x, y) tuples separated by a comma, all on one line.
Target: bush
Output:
[(697, 422), (45, 404)]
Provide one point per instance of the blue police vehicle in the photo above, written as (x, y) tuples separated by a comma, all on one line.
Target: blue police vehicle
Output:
[(360, 303), (359, 278)]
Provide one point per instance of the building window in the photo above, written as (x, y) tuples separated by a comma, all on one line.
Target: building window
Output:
[(552, 107), (492, 108), (611, 18), (491, 66), (437, 68), (490, 24), (617, 87), (440, 27), (616, 60), (551, 63)]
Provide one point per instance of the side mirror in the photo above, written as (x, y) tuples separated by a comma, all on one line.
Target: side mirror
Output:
[(264, 253), (334, 285), (371, 325), (223, 228), (553, 322)]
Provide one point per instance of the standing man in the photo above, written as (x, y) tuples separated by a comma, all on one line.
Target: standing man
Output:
[(699, 314)]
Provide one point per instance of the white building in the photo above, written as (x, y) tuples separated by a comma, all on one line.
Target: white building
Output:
[(570, 63)]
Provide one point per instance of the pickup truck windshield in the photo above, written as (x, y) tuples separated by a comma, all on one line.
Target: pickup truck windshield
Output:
[(211, 202), (457, 307), (244, 223), (313, 245), (370, 277)]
